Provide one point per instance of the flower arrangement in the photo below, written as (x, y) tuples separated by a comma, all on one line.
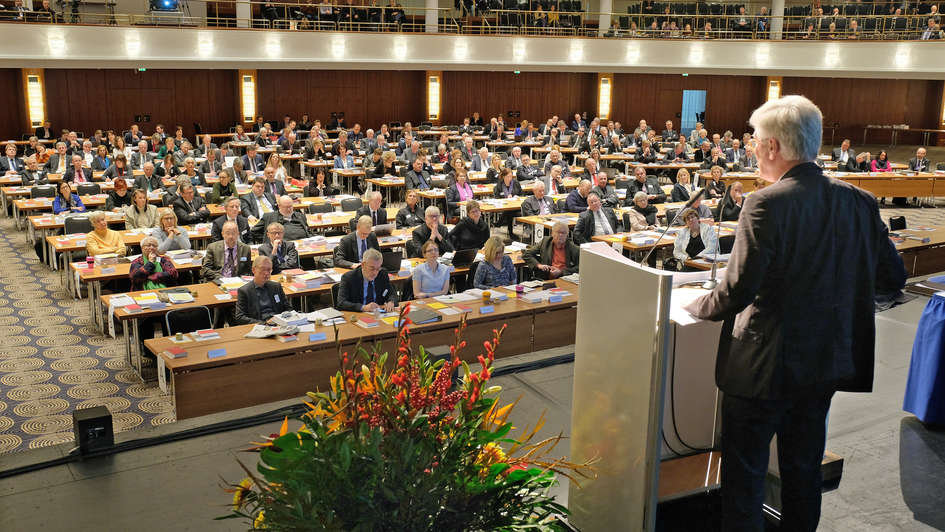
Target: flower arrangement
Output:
[(392, 447)]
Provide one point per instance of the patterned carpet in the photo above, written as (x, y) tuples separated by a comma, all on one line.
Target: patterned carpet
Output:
[(53, 360)]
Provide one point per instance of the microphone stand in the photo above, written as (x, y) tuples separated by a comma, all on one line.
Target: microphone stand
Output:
[(670, 224), (712, 282)]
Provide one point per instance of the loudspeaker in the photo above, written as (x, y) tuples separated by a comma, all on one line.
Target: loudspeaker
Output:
[(93, 428)]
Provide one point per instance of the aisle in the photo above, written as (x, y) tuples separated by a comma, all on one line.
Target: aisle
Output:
[(52, 360)]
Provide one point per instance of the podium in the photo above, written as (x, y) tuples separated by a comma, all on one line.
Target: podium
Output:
[(644, 389)]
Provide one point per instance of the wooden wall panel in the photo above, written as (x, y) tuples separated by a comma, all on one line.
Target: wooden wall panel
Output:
[(853, 103), (657, 98), (537, 95), (86, 100), (366, 97), (12, 112)]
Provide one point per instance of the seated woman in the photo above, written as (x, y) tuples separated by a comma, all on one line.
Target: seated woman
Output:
[(715, 188), (430, 278), (66, 200), (441, 155), (497, 268), (731, 205), (472, 231), (191, 173), (642, 215), (151, 271), (118, 168), (386, 167), (646, 154), (119, 197), (695, 238), (222, 189), (459, 192), (140, 214), (168, 168), (169, 235), (103, 240), (276, 162), (457, 163), (881, 163), (495, 167), (318, 187), (240, 135), (683, 188), (169, 146), (373, 160), (284, 255), (101, 161)]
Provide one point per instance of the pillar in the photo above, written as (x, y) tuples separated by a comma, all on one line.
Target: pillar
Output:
[(603, 24), (777, 19), (244, 13), (431, 15)]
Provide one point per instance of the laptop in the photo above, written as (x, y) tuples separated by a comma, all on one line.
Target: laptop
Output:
[(464, 257), (392, 261), (383, 230)]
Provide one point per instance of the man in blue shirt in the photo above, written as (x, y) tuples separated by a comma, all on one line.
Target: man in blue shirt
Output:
[(367, 287)]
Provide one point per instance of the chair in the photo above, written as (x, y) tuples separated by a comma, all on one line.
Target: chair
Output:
[(353, 224), (88, 189), (562, 205), (406, 293), (334, 294), (43, 191), (351, 204), (394, 124), (670, 215), (320, 208), (77, 224), (897, 223), (940, 166), (190, 319)]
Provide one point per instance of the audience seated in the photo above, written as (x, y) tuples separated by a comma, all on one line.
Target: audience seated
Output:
[(231, 207), (284, 255), (260, 299), (258, 202), (103, 240), (293, 221), (496, 268), (367, 287), (189, 207), (351, 248), (472, 230), (645, 183), (553, 256), (538, 203), (431, 231), (695, 238), (641, 214), (596, 220), (430, 278), (577, 198), (67, 201), (169, 235), (372, 209), (228, 257)]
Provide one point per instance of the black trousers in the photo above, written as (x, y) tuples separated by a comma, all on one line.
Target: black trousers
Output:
[(747, 428)]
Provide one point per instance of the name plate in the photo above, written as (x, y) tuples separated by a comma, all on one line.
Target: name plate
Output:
[(488, 309), (108, 270), (317, 337), (216, 353), (555, 299)]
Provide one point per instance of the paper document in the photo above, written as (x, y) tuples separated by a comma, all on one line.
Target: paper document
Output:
[(679, 299)]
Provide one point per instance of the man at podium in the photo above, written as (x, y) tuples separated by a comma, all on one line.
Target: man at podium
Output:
[(797, 300)]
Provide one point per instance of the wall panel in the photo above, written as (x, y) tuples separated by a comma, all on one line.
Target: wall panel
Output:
[(86, 100), (13, 112)]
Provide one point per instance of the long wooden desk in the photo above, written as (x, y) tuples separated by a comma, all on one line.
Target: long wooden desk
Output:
[(267, 370), (921, 258)]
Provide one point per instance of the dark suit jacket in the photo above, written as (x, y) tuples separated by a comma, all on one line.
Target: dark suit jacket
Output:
[(216, 229), (837, 152), (53, 163), (187, 214), (295, 226), (412, 180), (247, 302), (407, 218), (650, 186), (467, 234), (422, 233), (803, 318), (5, 164), (532, 206), (141, 181), (365, 210), (542, 253), (205, 167), (34, 178), (251, 208), (351, 290), (260, 163), (70, 175), (213, 260), (608, 195), (707, 163), (280, 189), (526, 173), (287, 259), (920, 166), (585, 227), (515, 189), (346, 254)]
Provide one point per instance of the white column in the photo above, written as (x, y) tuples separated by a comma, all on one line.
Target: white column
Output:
[(244, 13), (606, 6), (431, 16), (777, 19)]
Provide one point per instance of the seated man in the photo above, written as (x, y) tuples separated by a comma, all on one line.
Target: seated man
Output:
[(283, 254), (644, 183), (260, 299), (258, 202), (226, 258), (10, 164), (417, 177), (538, 203), (577, 198), (34, 173), (232, 214), (367, 287), (411, 215), (554, 159), (190, 208), (716, 159), (527, 171), (76, 173), (294, 222), (373, 209), (606, 192), (352, 246), (553, 256), (431, 230), (103, 240), (596, 220), (919, 163)]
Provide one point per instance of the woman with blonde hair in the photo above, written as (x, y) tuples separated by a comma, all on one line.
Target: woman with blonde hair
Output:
[(169, 235), (276, 162), (496, 269)]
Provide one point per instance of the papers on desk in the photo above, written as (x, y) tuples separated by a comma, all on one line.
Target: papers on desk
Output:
[(180, 297), (122, 300), (266, 331), (327, 316), (516, 246), (712, 257), (573, 278), (449, 299), (680, 298)]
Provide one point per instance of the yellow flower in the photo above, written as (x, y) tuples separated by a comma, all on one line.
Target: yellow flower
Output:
[(259, 522), (489, 455), (239, 494)]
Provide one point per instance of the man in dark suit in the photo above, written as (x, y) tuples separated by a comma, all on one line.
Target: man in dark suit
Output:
[(226, 258), (352, 246), (148, 181), (919, 163), (645, 183), (284, 254), (545, 257), (232, 207), (704, 152), (58, 162), (252, 161), (716, 159), (141, 156), (293, 222), (273, 187), (526, 170), (417, 177), (367, 287), (258, 202), (33, 174), (670, 134), (10, 164), (431, 230), (596, 220), (260, 299), (538, 204), (735, 154), (76, 173), (189, 207), (410, 215), (133, 136), (212, 166), (44, 132), (606, 192), (843, 154), (799, 321), (373, 209)]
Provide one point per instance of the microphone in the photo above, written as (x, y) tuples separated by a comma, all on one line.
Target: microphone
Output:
[(695, 197)]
